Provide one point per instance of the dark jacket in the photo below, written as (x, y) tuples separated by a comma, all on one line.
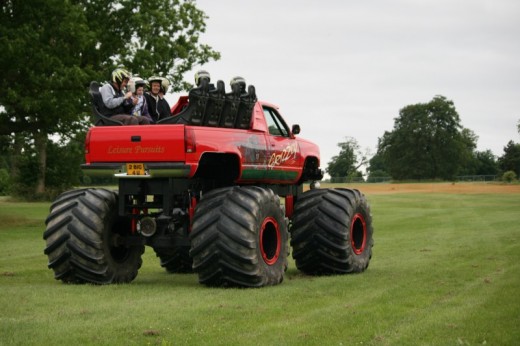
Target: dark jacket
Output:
[(158, 109)]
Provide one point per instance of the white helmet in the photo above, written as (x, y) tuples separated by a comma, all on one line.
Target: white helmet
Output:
[(154, 79), (165, 84), (199, 75), (135, 82), (240, 81)]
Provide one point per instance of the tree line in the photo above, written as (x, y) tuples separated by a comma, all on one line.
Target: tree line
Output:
[(428, 142)]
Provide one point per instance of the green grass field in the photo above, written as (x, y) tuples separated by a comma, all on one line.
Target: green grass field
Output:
[(445, 271)]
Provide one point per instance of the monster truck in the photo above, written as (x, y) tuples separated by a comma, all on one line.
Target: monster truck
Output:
[(216, 189)]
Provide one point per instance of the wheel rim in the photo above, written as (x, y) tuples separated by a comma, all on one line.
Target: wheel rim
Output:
[(358, 233), (270, 241)]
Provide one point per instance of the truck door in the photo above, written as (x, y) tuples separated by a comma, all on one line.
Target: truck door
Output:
[(284, 157)]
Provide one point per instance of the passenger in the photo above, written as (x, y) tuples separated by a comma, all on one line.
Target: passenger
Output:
[(118, 104), (158, 107), (140, 110)]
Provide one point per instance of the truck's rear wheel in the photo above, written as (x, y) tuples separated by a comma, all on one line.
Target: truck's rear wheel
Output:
[(239, 238), (176, 260), (332, 232), (82, 235)]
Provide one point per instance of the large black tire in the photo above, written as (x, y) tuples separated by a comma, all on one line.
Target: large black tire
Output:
[(81, 235), (332, 232), (239, 238), (176, 260)]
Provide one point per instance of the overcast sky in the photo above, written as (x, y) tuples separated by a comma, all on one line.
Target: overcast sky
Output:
[(345, 68)]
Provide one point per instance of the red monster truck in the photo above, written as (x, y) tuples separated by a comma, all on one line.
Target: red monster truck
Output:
[(203, 189)]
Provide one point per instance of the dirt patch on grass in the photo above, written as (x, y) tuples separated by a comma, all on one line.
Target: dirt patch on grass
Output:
[(9, 221), (455, 188)]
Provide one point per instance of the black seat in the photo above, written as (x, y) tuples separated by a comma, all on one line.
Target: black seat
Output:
[(194, 113), (245, 108), (179, 118), (215, 106), (230, 112), (98, 107), (175, 119), (198, 100)]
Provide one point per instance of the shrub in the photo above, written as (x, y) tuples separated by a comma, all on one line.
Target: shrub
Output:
[(509, 176)]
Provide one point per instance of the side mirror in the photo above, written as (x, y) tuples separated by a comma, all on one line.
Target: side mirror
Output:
[(295, 129)]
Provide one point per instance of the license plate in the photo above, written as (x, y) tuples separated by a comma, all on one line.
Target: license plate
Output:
[(135, 169)]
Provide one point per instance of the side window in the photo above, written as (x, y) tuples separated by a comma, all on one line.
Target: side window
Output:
[(275, 123)]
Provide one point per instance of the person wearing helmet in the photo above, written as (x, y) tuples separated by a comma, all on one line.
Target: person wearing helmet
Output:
[(140, 110), (158, 107), (117, 103)]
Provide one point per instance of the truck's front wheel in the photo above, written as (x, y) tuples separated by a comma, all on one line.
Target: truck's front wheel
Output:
[(332, 232), (83, 238), (239, 238)]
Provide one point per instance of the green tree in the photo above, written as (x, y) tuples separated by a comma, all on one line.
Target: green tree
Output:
[(481, 163), (348, 161), (486, 163), (510, 161), (427, 142), (4, 182), (376, 168), (52, 49)]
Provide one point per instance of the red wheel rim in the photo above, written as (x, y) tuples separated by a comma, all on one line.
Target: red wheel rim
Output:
[(270, 241), (358, 233)]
